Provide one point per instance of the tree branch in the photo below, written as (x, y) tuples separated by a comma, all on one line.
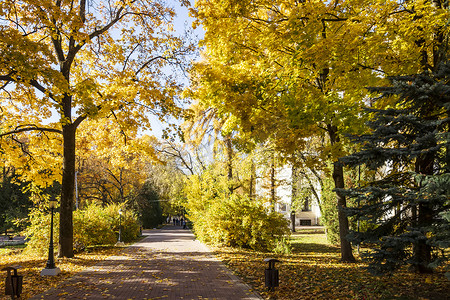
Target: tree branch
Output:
[(31, 128), (129, 55), (120, 127), (105, 28), (79, 120), (148, 62), (24, 149), (34, 83)]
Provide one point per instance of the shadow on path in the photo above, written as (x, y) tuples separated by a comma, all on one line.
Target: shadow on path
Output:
[(167, 264)]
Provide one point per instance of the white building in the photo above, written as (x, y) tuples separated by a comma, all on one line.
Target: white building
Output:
[(308, 214)]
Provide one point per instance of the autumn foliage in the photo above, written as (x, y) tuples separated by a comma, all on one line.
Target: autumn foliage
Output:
[(240, 222), (222, 218), (93, 225), (66, 62), (313, 271)]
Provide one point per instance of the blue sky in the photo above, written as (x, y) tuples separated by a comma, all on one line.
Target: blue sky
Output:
[(182, 22)]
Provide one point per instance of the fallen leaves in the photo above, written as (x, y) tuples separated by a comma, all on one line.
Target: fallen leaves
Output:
[(33, 282), (313, 271)]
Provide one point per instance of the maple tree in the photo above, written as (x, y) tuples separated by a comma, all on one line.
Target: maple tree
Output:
[(80, 60), (290, 70), (111, 165)]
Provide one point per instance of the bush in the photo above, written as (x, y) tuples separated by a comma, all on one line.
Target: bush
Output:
[(97, 225), (330, 212), (38, 232), (92, 225), (240, 222)]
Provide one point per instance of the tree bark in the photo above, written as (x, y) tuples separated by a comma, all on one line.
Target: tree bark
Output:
[(229, 146), (272, 183), (338, 178), (293, 196), (67, 193), (293, 221), (346, 248), (252, 179), (421, 250)]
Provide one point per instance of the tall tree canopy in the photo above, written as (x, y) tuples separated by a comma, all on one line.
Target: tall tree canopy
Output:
[(405, 208), (289, 70), (108, 169), (79, 60)]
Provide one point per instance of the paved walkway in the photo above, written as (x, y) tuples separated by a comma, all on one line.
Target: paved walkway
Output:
[(167, 264)]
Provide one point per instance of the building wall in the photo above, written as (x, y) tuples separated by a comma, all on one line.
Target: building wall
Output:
[(283, 193)]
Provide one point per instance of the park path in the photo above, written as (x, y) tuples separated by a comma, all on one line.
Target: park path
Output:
[(167, 264)]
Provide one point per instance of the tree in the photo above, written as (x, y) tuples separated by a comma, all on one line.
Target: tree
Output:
[(14, 201), (149, 207), (233, 219), (168, 178), (111, 167), (80, 61), (406, 208), (291, 70)]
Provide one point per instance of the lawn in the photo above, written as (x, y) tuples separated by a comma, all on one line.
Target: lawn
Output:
[(313, 271), (31, 266)]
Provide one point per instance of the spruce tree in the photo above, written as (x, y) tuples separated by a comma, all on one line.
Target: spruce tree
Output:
[(406, 210)]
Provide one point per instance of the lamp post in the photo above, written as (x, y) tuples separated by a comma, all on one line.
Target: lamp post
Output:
[(50, 269)]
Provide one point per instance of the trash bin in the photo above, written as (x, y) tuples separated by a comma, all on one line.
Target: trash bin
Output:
[(271, 274), (13, 282)]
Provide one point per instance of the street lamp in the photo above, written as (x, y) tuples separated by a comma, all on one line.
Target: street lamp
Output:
[(50, 269)]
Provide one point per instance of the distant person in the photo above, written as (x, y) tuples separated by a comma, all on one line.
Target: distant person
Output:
[(184, 224), (174, 221)]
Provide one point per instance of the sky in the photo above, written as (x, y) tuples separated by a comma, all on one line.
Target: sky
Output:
[(182, 23)]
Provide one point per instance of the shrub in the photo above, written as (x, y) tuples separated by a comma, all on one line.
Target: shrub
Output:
[(240, 222), (129, 222), (38, 232), (330, 212), (92, 225)]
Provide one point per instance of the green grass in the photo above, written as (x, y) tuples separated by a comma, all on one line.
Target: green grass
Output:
[(313, 271)]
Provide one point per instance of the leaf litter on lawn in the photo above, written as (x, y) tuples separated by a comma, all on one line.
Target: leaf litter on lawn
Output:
[(313, 271), (31, 266)]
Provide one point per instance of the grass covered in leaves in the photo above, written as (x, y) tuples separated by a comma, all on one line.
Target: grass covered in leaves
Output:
[(31, 266), (313, 271)]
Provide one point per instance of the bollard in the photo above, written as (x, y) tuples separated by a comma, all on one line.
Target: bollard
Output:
[(13, 283), (271, 274)]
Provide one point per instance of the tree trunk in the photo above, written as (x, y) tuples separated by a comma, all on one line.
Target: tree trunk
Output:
[(293, 221), (272, 182), (252, 179), (346, 247), (338, 177), (421, 250), (294, 195), (67, 193), (229, 146)]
